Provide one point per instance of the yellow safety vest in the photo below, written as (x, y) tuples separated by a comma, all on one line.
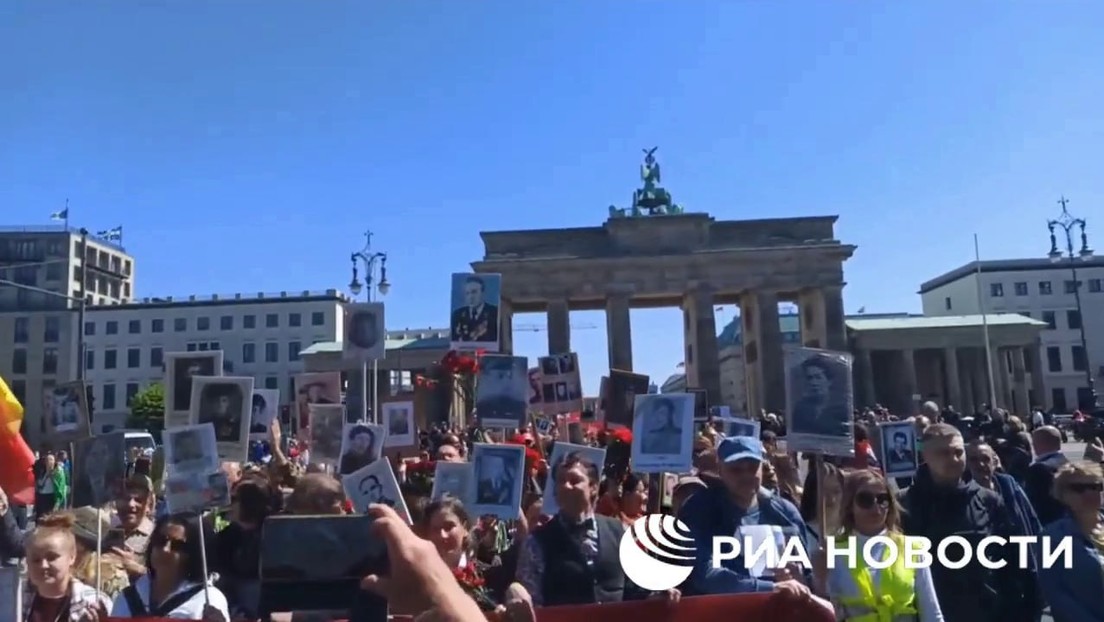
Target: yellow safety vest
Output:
[(895, 600)]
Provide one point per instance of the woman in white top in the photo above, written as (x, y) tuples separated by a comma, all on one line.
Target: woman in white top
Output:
[(175, 586)]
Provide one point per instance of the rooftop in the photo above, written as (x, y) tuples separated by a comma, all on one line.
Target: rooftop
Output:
[(1004, 265), (940, 321), (790, 324), (196, 300), (405, 339), (57, 229)]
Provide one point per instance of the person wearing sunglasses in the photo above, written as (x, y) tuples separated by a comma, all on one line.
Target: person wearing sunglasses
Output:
[(1075, 593), (862, 593), (176, 585)]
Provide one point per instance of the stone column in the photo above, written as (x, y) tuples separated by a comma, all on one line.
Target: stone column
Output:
[(763, 362), (1000, 380), (908, 377), (619, 331), (865, 369), (950, 369), (810, 303), (703, 369), (981, 378), (1019, 382), (834, 327), (1032, 352), (506, 326), (559, 326)]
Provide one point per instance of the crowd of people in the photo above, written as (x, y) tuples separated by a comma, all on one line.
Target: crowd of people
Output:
[(137, 560)]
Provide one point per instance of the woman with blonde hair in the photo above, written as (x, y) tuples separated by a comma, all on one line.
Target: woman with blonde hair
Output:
[(53, 593), (1075, 593), (868, 509)]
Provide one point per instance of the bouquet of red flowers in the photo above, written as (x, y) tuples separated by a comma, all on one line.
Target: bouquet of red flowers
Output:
[(419, 475), (471, 580)]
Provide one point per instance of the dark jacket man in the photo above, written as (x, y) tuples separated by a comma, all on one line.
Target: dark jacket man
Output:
[(1038, 483)]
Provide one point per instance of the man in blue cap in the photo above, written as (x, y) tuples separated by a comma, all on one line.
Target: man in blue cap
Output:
[(723, 509)]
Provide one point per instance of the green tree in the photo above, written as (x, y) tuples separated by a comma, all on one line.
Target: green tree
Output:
[(147, 410)]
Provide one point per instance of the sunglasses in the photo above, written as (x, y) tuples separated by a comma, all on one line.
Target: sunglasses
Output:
[(867, 500), (1083, 487), (175, 545)]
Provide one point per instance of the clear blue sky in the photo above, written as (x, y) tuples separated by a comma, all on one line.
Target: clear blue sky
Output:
[(245, 145)]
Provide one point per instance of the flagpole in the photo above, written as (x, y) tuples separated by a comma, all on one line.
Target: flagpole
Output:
[(67, 218), (985, 327)]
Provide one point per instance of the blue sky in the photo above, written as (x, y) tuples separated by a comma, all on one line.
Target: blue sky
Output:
[(245, 145)]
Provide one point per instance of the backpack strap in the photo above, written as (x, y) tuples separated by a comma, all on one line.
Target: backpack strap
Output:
[(134, 602), (165, 608)]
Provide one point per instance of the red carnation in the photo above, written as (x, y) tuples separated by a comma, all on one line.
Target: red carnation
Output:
[(623, 435)]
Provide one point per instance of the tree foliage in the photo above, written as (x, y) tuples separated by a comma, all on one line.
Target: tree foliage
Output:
[(147, 410)]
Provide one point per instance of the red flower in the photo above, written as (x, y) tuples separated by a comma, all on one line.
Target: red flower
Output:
[(623, 435)]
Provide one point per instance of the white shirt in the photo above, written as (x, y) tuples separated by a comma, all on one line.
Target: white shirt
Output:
[(191, 609), (1037, 419)]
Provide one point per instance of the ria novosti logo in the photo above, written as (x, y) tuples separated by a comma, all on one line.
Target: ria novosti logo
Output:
[(657, 552)]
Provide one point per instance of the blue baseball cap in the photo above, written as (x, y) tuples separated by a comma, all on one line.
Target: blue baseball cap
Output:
[(734, 448)]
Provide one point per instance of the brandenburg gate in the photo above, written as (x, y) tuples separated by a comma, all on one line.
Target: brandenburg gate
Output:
[(653, 254)]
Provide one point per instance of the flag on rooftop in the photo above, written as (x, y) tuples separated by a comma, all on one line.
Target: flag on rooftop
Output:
[(62, 215), (112, 235)]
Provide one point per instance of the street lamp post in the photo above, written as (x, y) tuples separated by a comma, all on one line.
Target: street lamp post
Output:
[(370, 260), (1066, 222)]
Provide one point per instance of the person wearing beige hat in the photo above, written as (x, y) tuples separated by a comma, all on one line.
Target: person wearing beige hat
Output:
[(130, 536), (90, 527)]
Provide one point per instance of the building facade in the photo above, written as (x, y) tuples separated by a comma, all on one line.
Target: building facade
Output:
[(260, 335), (1043, 290), (40, 284)]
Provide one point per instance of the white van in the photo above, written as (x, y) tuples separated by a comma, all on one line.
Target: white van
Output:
[(141, 440)]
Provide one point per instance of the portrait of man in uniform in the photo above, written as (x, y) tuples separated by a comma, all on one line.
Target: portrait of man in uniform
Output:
[(474, 316)]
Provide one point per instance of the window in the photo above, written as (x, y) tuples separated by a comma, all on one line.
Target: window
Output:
[(108, 401), (49, 360), (19, 390), (996, 290), (112, 327), (89, 359), (1080, 361), (272, 352), (272, 320), (1094, 286), (1070, 287), (191, 347), (249, 321), (1054, 358), (19, 361), (1021, 288), (53, 330), (180, 324), (157, 357), (272, 382), (318, 318), (249, 353), (1073, 319), (22, 330), (214, 345), (134, 327), (1048, 317), (53, 272), (203, 323), (131, 391), (947, 303), (294, 347), (1058, 400), (295, 319), (1044, 288), (110, 359), (157, 326), (134, 358), (89, 329), (226, 322)]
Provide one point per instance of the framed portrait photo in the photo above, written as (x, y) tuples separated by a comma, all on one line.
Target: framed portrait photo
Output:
[(398, 420), (365, 332), (66, 410), (190, 450), (474, 313), (361, 445), (499, 477), (180, 368), (225, 402), (897, 444), (819, 401), (663, 433)]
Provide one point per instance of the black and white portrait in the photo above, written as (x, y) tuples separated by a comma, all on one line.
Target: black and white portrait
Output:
[(191, 449), (535, 395), (473, 319), (180, 368), (225, 402), (819, 401), (735, 426), (502, 390), (361, 445), (197, 492), (561, 388), (66, 409), (453, 479), (266, 407), (663, 430), (314, 388), (100, 467), (398, 419), (499, 477), (898, 445), (620, 399), (365, 332), (374, 483), (326, 424), (560, 451)]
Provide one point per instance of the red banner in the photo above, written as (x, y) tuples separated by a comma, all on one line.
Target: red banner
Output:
[(765, 607)]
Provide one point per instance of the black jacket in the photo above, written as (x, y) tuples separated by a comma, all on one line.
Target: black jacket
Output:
[(11, 538), (1037, 485)]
